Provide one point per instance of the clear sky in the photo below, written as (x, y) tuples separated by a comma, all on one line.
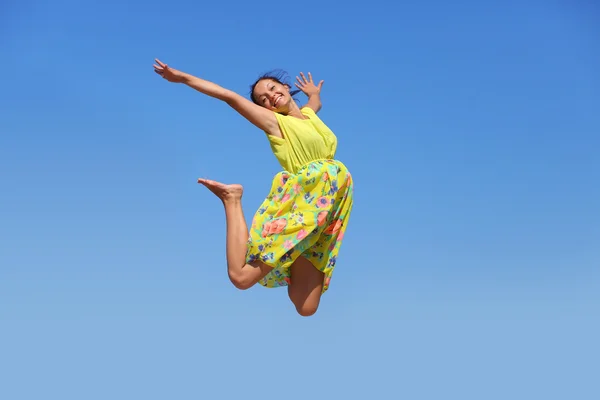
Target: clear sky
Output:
[(471, 264)]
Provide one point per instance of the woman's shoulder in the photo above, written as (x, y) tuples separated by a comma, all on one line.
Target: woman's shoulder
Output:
[(309, 112)]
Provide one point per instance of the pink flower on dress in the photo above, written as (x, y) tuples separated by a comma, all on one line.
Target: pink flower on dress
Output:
[(301, 234), (325, 177), (297, 188), (322, 217), (285, 198), (322, 202), (278, 225), (288, 244), (266, 229), (274, 227)]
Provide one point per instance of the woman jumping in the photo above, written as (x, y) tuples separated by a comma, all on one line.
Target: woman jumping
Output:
[(297, 231)]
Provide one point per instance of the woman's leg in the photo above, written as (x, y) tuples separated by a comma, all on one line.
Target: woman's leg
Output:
[(306, 286), (242, 275)]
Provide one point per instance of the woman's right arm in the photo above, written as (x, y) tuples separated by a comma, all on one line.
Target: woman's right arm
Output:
[(262, 118)]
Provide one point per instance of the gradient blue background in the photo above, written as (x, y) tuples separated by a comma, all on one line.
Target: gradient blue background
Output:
[(471, 266)]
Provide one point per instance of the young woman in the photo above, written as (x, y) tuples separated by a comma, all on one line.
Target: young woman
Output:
[(296, 233)]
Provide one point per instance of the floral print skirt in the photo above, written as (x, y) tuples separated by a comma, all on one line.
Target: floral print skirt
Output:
[(305, 214)]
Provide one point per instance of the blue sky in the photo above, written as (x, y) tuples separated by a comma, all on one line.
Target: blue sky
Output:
[(470, 268)]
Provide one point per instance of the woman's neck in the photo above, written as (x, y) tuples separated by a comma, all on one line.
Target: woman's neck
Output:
[(295, 112)]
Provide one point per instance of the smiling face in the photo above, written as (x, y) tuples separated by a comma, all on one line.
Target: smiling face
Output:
[(272, 95)]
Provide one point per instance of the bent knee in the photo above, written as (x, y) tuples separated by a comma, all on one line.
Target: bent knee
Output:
[(306, 310), (306, 305)]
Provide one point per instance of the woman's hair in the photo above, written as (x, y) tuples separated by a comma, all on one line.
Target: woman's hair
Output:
[(277, 75)]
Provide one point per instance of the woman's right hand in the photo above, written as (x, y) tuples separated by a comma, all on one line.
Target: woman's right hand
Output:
[(170, 74)]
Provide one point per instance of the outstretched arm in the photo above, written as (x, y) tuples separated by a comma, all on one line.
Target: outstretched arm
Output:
[(313, 91), (259, 116)]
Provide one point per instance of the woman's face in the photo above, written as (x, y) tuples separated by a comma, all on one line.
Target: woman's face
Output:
[(273, 95)]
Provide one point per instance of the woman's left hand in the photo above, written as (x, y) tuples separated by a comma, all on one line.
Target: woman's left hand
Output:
[(308, 87)]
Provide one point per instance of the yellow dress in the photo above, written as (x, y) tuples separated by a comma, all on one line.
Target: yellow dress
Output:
[(307, 209)]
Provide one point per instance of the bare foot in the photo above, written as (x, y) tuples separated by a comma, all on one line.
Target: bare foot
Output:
[(224, 192)]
